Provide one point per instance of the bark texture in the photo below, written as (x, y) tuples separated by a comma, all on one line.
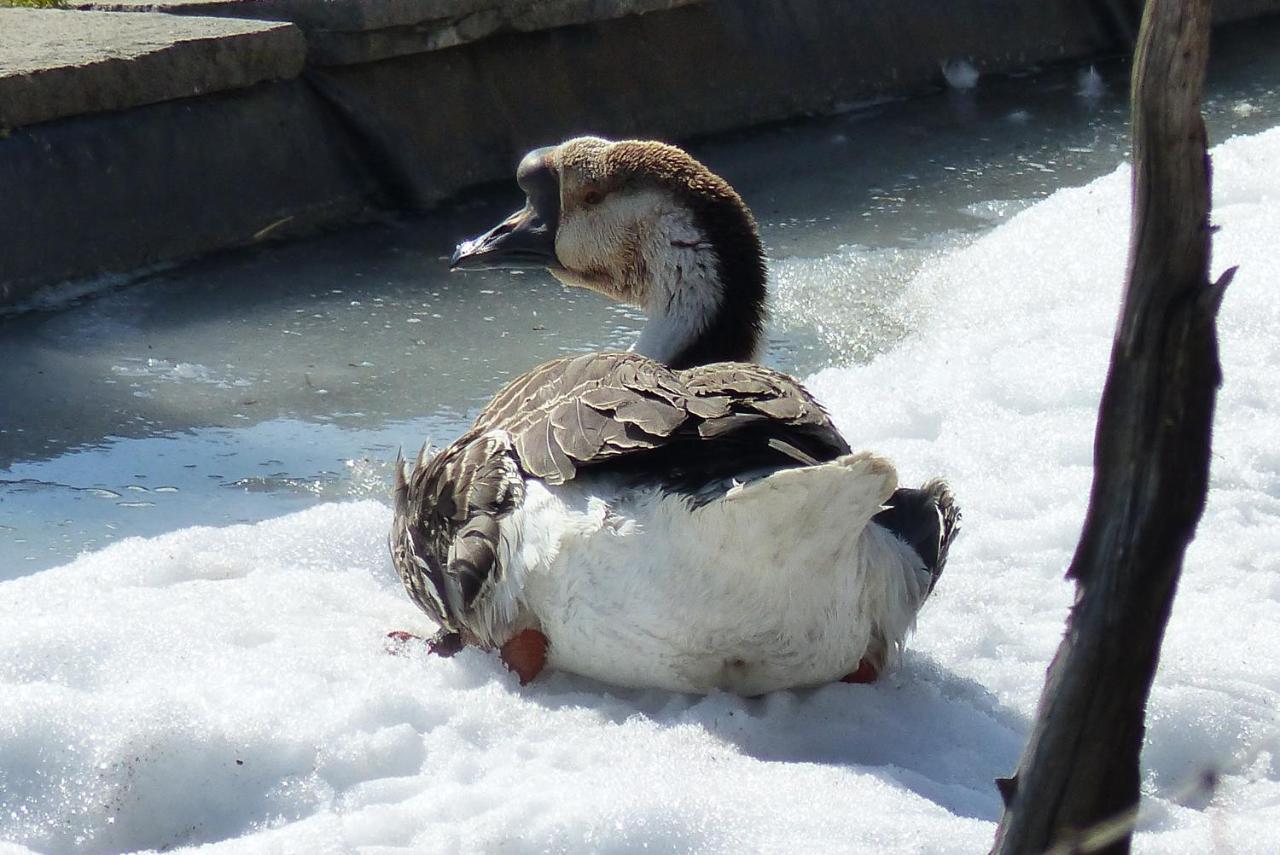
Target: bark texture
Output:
[(1077, 784)]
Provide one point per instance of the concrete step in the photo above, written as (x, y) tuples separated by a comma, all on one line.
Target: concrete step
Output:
[(56, 63), (347, 32)]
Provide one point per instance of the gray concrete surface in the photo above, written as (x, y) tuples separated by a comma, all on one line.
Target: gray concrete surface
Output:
[(357, 31), (311, 14), (356, 15), (112, 192), (329, 47), (447, 119), (58, 63)]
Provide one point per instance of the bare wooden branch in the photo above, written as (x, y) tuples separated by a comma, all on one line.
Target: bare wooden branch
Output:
[(1080, 770)]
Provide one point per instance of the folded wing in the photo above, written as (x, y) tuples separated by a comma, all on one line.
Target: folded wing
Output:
[(599, 412)]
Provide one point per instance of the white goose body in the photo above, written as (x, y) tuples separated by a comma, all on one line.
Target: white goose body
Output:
[(633, 587), (648, 519)]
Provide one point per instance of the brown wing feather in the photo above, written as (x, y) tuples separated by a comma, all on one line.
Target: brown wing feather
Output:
[(565, 414), (581, 412), (444, 537)]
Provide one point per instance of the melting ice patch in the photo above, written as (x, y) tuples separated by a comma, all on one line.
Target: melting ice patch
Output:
[(228, 686), (959, 73), (178, 372), (1090, 85)]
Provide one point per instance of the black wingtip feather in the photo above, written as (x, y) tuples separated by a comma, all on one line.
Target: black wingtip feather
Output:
[(927, 519), (949, 515)]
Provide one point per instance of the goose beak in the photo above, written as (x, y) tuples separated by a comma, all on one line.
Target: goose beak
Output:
[(523, 241)]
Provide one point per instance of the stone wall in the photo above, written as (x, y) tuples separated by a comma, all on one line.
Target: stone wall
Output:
[(134, 137)]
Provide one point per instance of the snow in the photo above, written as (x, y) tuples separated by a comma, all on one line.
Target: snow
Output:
[(229, 686)]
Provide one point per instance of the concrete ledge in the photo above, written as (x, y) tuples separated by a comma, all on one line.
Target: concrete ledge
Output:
[(343, 32), (113, 192), (346, 15), (521, 16), (57, 63)]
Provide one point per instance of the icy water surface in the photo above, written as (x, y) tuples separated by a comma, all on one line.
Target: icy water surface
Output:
[(264, 381)]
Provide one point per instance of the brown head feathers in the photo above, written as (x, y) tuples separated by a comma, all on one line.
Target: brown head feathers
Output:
[(592, 168), (616, 164)]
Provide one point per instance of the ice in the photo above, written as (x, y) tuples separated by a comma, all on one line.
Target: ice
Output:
[(848, 299), (177, 372), (959, 73), (64, 294), (1090, 85), (229, 686)]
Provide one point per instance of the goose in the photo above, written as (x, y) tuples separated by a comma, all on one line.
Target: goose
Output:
[(677, 516)]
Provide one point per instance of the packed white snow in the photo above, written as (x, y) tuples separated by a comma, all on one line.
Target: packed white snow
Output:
[(229, 686)]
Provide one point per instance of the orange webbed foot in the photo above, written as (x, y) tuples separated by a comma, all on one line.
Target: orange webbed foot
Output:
[(525, 655), (866, 673)]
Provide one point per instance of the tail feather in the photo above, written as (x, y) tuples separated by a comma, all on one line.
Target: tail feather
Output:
[(400, 484), (949, 515), (927, 519), (859, 484)]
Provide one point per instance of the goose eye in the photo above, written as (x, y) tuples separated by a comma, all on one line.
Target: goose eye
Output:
[(592, 197)]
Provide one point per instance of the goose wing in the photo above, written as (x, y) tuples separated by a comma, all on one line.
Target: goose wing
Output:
[(602, 412), (444, 537), (623, 409)]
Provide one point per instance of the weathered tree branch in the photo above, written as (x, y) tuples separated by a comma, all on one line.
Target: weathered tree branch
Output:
[(1080, 770)]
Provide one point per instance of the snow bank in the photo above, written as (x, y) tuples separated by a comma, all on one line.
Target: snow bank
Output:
[(999, 391), (229, 686)]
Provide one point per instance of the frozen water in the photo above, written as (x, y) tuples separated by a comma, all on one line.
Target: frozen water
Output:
[(960, 73), (1089, 84), (228, 686)]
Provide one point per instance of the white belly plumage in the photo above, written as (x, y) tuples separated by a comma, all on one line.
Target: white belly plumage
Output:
[(779, 583)]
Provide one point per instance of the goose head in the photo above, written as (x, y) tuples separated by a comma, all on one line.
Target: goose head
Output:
[(643, 223)]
